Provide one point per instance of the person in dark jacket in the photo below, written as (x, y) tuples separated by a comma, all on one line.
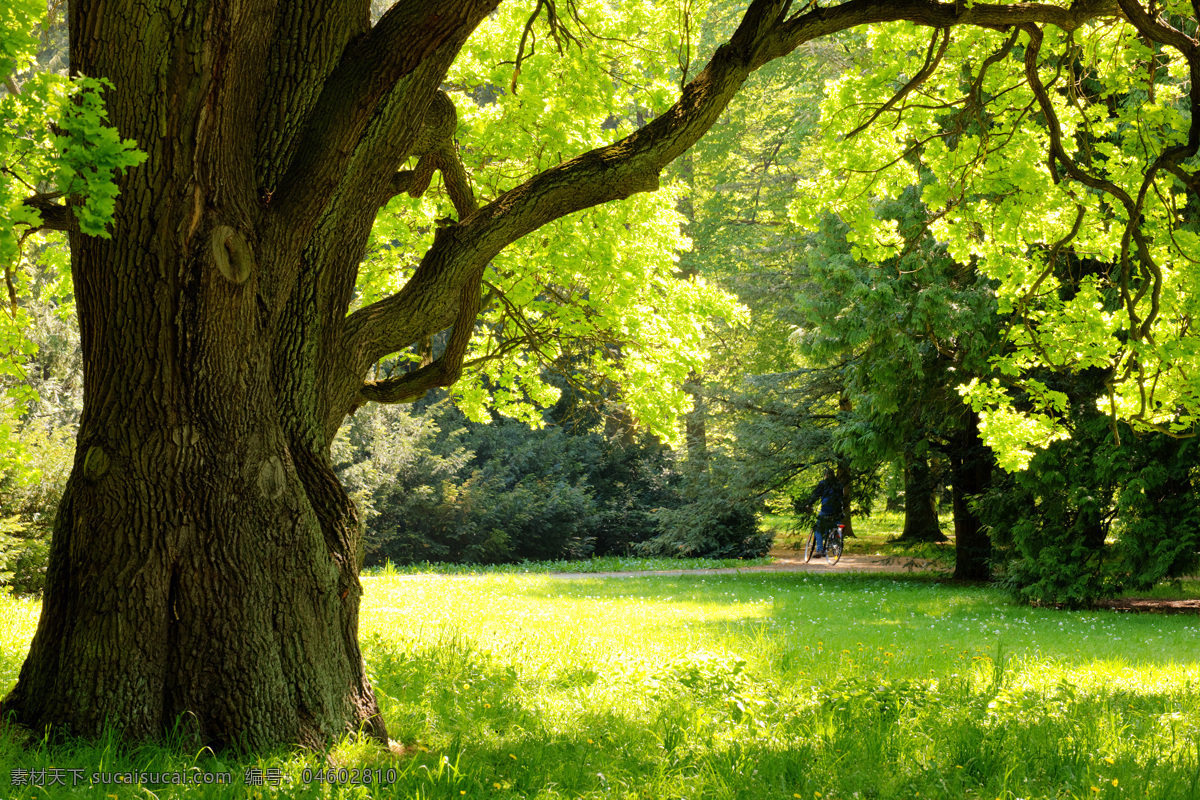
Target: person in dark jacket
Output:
[(831, 495)]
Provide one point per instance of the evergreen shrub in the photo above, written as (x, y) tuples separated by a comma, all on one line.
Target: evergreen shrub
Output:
[(1105, 512), (433, 486)]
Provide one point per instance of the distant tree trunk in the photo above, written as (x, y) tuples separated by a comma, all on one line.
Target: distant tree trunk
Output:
[(971, 463), (696, 420), (842, 473), (920, 506), (696, 426)]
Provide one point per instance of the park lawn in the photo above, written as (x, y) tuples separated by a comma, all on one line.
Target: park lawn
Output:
[(596, 564), (751, 686)]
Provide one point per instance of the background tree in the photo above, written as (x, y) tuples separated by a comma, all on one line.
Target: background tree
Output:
[(1065, 139), (1106, 511), (907, 332)]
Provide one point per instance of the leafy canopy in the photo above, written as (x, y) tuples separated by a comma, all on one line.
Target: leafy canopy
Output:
[(1061, 164)]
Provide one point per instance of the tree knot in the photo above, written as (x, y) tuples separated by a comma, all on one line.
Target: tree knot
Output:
[(232, 255)]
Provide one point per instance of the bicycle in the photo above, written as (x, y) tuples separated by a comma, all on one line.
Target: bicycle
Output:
[(833, 545)]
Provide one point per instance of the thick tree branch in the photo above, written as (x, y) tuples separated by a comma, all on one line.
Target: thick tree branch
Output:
[(444, 371), (609, 173), (407, 35), (1156, 29), (437, 151), (631, 165), (824, 21), (55, 216)]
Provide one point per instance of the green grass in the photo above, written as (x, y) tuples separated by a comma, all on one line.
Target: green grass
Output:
[(588, 565), (749, 686), (1182, 589)]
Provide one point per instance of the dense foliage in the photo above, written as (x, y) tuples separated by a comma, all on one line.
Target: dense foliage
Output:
[(1035, 146), (1106, 511), (434, 486)]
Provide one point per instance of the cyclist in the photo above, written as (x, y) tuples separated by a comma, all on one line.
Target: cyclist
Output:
[(830, 493)]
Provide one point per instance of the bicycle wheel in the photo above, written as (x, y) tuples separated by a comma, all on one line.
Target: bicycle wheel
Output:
[(808, 548), (833, 547)]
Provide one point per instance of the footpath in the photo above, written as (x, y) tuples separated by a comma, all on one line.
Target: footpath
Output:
[(785, 561)]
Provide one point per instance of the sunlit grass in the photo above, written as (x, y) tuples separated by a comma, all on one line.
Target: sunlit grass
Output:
[(1183, 589), (586, 565), (749, 686)]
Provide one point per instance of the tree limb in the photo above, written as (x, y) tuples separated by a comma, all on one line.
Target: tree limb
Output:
[(445, 370), (824, 21), (429, 301), (1156, 29), (402, 41), (437, 151), (55, 216)]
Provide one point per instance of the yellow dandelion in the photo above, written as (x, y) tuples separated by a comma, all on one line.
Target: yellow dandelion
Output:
[(1114, 781)]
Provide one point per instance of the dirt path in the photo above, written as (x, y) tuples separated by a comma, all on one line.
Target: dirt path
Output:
[(785, 561)]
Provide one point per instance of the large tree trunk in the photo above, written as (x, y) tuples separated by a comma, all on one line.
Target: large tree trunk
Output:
[(920, 501), (204, 565), (204, 560), (971, 462), (200, 573)]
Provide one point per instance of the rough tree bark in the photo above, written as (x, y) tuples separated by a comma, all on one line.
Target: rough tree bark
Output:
[(920, 501), (204, 563), (971, 465)]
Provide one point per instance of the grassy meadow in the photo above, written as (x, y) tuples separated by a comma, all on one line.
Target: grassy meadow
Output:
[(753, 686)]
